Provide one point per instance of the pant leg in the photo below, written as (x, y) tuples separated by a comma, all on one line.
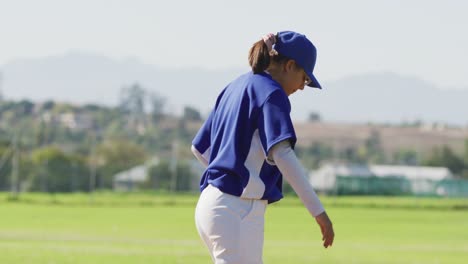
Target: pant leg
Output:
[(253, 233), (203, 219), (219, 225), (230, 227)]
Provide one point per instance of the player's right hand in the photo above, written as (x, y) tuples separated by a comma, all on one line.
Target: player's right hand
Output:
[(327, 229)]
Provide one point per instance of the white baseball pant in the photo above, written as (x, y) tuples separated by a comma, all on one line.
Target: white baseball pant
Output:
[(232, 228)]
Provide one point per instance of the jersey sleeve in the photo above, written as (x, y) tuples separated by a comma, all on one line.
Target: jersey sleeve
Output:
[(274, 122), (202, 140)]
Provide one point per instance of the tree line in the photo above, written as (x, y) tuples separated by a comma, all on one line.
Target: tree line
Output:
[(60, 147)]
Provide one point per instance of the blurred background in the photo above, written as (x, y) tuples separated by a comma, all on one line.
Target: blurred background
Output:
[(99, 102), (91, 90)]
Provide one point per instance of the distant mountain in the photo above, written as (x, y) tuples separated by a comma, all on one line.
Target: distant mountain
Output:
[(89, 78), (386, 97)]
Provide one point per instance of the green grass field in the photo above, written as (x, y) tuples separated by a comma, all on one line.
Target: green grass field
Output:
[(150, 228)]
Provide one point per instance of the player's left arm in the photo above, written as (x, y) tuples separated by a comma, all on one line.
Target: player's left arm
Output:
[(202, 158), (201, 144)]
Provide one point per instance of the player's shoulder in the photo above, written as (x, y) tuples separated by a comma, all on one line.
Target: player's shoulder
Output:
[(262, 84), (264, 79), (257, 79), (257, 87)]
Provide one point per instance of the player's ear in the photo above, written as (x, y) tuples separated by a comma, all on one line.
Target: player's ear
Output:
[(289, 65)]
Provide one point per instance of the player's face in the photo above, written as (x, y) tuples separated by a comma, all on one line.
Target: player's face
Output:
[(295, 78)]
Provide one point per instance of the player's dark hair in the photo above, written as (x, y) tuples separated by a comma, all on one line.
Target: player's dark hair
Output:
[(259, 57)]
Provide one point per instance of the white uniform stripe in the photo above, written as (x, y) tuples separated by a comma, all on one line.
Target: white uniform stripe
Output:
[(255, 187)]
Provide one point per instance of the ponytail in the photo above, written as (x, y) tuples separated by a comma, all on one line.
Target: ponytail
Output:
[(259, 57), (262, 54)]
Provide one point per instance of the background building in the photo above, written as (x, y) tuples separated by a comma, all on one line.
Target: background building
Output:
[(386, 180)]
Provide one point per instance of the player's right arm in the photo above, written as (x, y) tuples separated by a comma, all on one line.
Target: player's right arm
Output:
[(293, 172)]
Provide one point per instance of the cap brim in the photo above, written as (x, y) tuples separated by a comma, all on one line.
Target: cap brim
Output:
[(314, 83)]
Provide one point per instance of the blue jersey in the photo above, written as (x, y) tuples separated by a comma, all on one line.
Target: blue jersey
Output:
[(250, 116)]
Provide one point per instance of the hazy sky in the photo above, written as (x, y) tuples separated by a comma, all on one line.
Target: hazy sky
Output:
[(424, 38)]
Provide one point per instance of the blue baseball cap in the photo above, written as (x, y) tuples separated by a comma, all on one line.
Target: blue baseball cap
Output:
[(298, 48)]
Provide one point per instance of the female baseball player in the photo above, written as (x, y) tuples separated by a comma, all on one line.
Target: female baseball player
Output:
[(247, 145)]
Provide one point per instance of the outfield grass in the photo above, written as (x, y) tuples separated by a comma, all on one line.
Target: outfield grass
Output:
[(148, 228)]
